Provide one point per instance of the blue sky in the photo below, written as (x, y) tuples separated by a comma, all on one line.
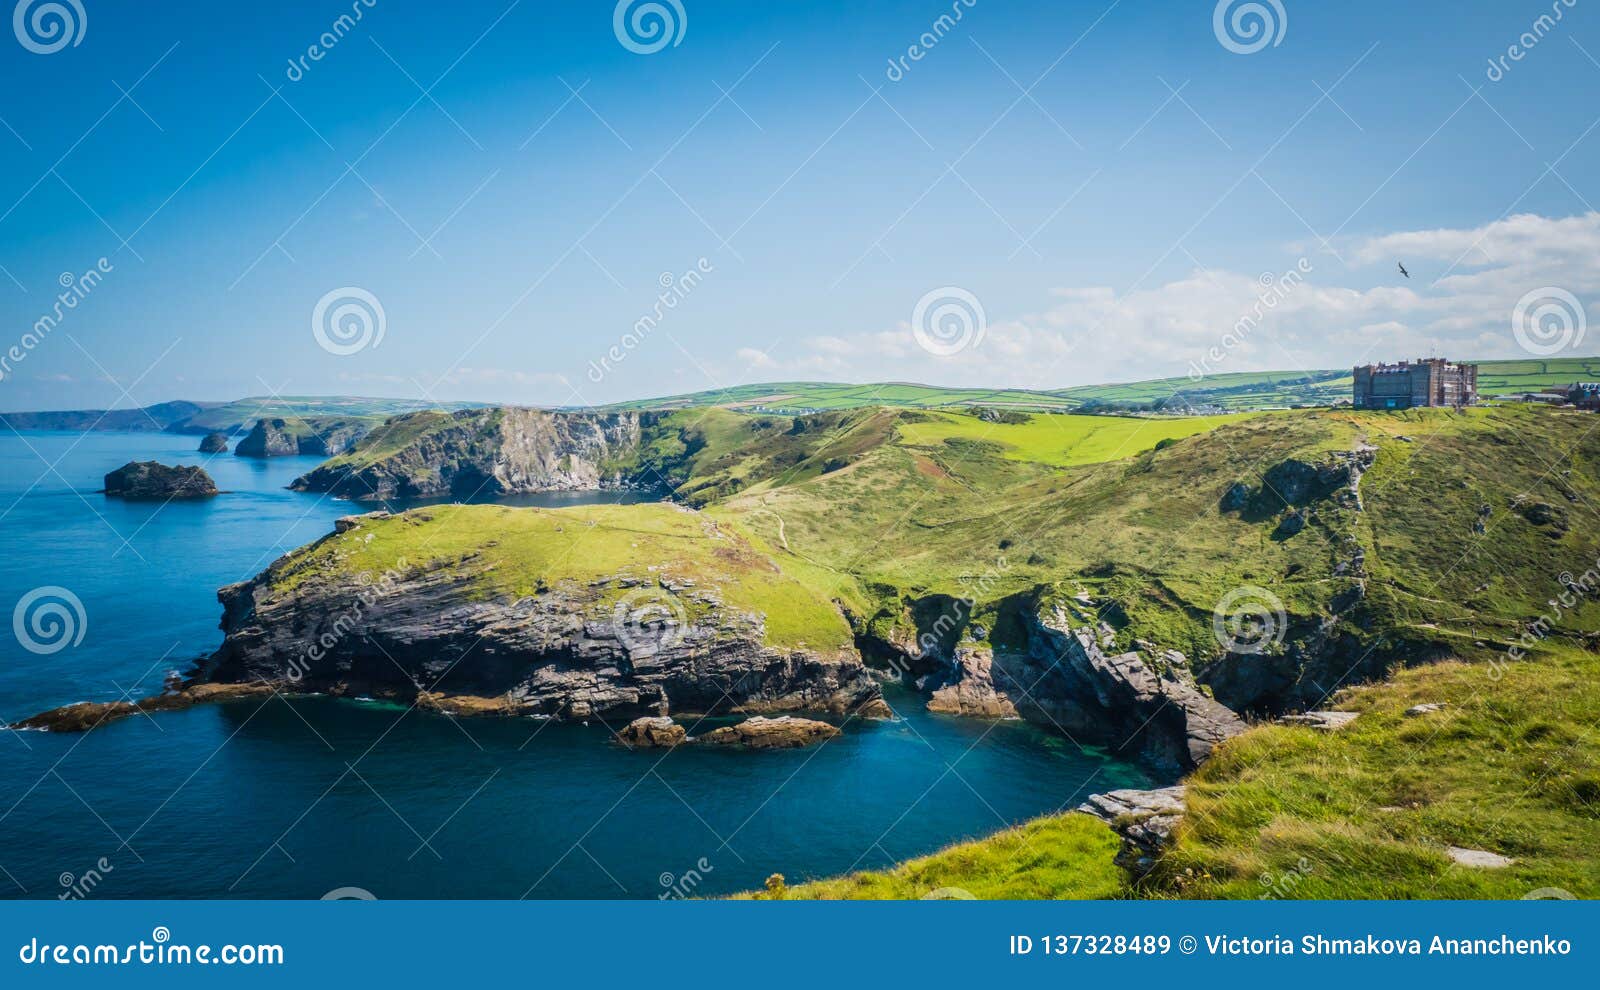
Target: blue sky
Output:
[(1113, 185)]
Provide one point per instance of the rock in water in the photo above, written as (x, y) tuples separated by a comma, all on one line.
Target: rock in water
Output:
[(150, 479), (785, 732), (214, 443), (659, 732)]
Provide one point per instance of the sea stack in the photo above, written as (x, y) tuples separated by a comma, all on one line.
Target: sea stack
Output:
[(214, 443), (150, 479)]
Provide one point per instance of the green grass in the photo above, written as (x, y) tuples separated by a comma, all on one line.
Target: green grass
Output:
[(1062, 441), (1509, 377), (512, 553), (1230, 390), (1062, 857), (1510, 766)]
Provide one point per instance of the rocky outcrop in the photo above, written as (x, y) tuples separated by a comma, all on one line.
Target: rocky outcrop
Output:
[(652, 732), (214, 443), (85, 715), (1144, 819), (784, 732), (1142, 704), (153, 480), (1294, 484), (972, 691), (565, 650), (314, 436), (488, 452), (1320, 721)]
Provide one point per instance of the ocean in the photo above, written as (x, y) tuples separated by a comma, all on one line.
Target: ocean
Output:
[(314, 797)]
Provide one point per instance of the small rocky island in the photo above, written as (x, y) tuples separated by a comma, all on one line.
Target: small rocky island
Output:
[(154, 480), (759, 732), (214, 443)]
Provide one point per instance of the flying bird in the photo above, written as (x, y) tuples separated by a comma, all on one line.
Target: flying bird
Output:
[(1403, 270)]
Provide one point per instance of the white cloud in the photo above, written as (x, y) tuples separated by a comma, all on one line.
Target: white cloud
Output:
[(1459, 301)]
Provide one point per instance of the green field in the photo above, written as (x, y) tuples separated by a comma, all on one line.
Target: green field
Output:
[(1062, 441), (1235, 390)]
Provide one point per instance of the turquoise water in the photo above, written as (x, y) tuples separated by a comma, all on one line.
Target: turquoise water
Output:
[(296, 799)]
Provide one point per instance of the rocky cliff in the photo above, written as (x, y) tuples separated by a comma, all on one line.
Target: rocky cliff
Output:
[(314, 436), (446, 632), (214, 443), (487, 452), (153, 480), (1142, 704)]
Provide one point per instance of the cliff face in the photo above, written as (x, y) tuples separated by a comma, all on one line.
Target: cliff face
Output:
[(1141, 706), (316, 436), (615, 646), (489, 452)]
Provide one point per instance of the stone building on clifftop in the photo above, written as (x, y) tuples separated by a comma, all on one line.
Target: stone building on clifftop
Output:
[(1413, 384)]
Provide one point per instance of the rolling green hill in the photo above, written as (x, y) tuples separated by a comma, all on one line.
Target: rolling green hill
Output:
[(1232, 391)]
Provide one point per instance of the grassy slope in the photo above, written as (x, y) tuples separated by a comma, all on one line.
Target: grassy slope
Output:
[(1061, 441), (517, 552), (1060, 857), (1510, 766)]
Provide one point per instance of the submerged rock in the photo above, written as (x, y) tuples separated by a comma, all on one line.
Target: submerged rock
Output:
[(784, 732), (151, 479), (85, 715)]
